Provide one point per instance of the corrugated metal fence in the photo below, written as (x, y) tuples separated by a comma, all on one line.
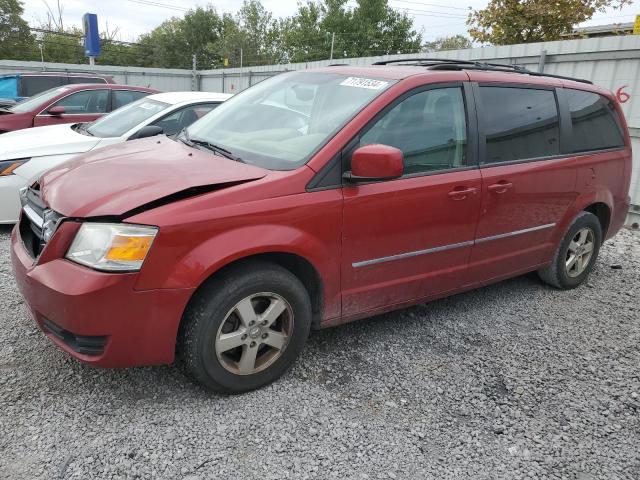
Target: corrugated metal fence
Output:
[(612, 62)]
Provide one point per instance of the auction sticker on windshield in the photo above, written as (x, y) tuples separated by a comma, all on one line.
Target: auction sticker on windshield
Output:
[(364, 83)]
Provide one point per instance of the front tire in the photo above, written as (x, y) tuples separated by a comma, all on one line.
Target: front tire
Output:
[(573, 261), (244, 329)]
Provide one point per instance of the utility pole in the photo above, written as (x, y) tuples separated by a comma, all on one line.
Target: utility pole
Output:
[(333, 40), (41, 55), (241, 77), (194, 73)]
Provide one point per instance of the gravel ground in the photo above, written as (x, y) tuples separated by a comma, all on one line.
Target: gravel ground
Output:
[(511, 381)]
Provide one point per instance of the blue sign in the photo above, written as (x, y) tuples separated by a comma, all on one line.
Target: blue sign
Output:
[(91, 35)]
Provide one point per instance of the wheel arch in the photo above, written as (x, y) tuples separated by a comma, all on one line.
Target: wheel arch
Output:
[(600, 203), (299, 266), (603, 212)]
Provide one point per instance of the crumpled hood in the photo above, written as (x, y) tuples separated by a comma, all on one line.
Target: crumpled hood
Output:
[(117, 179), (41, 141)]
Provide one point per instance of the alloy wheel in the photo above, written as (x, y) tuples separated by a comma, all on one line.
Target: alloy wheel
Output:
[(254, 333), (580, 252)]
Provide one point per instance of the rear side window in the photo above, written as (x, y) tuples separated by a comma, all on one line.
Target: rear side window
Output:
[(595, 122), (519, 123), (123, 97), (88, 101), (33, 85)]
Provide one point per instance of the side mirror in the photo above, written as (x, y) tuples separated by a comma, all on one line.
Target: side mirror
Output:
[(148, 131), (58, 110), (375, 162)]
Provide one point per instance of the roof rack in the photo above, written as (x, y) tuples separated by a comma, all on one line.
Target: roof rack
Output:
[(423, 61), (453, 64)]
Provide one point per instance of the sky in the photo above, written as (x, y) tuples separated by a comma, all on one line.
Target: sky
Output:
[(131, 18)]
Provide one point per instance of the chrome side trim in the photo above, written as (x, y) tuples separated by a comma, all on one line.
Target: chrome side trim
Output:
[(33, 216), (517, 232), (399, 256), (452, 246)]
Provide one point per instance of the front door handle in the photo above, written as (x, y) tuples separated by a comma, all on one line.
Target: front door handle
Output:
[(500, 187), (462, 193)]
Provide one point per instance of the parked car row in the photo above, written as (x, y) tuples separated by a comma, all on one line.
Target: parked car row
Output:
[(312, 199), (69, 104), (26, 154)]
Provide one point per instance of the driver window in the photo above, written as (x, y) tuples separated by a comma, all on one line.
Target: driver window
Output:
[(87, 101), (175, 122), (429, 127)]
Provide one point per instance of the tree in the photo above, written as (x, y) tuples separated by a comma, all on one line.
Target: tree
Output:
[(505, 22), (172, 44), (64, 46), (16, 41), (370, 28), (303, 36), (257, 35), (455, 42)]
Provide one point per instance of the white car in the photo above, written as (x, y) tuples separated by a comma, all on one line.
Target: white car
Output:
[(26, 154)]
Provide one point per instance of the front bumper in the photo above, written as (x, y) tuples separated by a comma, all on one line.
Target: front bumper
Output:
[(99, 318), (10, 198)]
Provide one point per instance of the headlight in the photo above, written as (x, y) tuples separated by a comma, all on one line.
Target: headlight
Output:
[(113, 247), (8, 166)]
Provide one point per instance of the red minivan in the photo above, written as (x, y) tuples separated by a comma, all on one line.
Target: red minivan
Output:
[(315, 198), (69, 104)]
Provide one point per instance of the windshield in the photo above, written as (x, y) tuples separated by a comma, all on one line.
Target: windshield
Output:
[(279, 123), (36, 101), (120, 121)]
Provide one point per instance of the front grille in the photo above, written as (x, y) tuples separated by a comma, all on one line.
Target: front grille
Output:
[(35, 221), (86, 345)]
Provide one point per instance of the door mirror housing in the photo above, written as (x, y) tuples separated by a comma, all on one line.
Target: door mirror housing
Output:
[(57, 110), (148, 131), (375, 162)]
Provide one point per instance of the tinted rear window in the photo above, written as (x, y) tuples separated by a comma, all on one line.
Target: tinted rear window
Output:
[(32, 85), (519, 123), (595, 122)]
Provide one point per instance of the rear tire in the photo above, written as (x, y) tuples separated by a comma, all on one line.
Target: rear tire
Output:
[(245, 328), (573, 261)]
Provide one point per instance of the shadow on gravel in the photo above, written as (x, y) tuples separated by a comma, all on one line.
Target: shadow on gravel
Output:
[(325, 356)]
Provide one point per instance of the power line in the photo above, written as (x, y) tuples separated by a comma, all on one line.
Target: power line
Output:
[(431, 5), (428, 13), (161, 5)]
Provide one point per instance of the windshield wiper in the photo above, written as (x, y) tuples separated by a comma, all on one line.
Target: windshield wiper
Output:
[(198, 142)]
